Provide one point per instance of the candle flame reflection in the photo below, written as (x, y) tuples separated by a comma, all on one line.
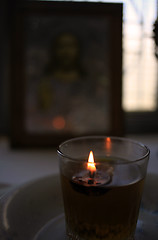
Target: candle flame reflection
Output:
[(91, 164), (108, 145), (58, 122)]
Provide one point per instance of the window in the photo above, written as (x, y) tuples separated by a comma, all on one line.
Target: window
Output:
[(140, 72), (140, 66)]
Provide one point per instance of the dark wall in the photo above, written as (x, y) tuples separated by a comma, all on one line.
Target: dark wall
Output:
[(4, 67)]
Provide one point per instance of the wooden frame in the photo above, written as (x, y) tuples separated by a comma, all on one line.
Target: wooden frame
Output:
[(37, 28)]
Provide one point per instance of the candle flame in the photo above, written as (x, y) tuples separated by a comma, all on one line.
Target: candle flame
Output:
[(91, 163)]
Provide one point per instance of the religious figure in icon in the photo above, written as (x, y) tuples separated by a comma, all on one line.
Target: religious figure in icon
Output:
[(69, 96), (66, 95)]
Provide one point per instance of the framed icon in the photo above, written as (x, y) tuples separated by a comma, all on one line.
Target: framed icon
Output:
[(66, 71)]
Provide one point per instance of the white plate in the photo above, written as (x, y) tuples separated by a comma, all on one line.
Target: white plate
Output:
[(35, 211), (54, 229), (27, 208)]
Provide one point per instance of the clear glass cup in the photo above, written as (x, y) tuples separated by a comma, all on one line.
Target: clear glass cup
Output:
[(102, 203)]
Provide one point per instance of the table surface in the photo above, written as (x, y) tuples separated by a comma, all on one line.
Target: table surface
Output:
[(18, 166)]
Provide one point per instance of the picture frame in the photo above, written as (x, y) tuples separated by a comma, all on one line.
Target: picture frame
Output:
[(66, 71)]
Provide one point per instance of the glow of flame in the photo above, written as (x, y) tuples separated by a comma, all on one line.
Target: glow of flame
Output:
[(58, 122), (91, 164), (108, 143)]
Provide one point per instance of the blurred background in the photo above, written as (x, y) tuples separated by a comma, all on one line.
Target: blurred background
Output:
[(140, 66)]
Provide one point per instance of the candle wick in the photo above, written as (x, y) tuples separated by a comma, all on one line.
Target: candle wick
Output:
[(91, 177), (92, 174)]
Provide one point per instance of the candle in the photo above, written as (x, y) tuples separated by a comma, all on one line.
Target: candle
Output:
[(92, 177), (102, 186)]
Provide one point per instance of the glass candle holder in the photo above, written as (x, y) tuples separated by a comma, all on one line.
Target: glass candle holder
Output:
[(102, 198)]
